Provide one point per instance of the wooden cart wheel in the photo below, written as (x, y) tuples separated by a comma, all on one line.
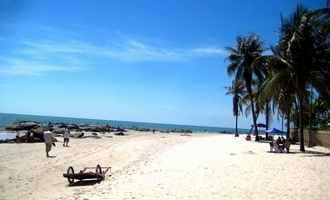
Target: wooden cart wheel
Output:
[(70, 172), (99, 171)]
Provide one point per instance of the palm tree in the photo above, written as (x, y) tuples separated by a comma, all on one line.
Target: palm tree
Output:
[(241, 59), (237, 89), (263, 104), (274, 89), (301, 59), (267, 107), (281, 95)]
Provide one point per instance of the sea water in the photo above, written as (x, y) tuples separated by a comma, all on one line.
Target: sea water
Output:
[(7, 119)]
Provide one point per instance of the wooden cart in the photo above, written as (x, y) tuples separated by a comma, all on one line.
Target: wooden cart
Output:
[(88, 173)]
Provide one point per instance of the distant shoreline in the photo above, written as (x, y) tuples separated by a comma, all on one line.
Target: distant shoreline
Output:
[(9, 118)]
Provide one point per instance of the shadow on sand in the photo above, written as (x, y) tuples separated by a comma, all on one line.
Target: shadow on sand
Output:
[(315, 154), (84, 183), (291, 152), (307, 153), (51, 156)]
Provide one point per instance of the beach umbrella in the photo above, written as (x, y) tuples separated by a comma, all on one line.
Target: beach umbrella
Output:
[(260, 125), (273, 131)]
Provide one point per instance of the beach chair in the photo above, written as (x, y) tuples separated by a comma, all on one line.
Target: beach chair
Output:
[(274, 147), (287, 146), (248, 137), (271, 146)]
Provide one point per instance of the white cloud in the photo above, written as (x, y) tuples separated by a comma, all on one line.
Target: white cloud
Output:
[(211, 51), (27, 68), (135, 51), (35, 56), (34, 70), (129, 50)]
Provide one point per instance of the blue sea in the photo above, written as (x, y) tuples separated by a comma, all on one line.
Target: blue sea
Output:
[(7, 119)]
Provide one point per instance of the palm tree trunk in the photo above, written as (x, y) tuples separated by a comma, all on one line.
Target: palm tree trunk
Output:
[(301, 123), (236, 131), (288, 126), (310, 119), (254, 119), (267, 118), (249, 89), (282, 117), (296, 123)]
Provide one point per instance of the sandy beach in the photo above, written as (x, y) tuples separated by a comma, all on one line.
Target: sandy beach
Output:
[(166, 166)]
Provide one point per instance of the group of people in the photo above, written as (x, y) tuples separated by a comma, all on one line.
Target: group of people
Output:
[(50, 140), (280, 145)]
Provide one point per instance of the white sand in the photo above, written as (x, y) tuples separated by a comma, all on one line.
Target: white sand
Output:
[(166, 166)]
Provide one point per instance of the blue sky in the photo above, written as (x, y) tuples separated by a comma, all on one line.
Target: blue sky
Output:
[(152, 61)]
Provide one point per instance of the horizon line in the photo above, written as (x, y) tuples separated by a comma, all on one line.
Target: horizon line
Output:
[(123, 121)]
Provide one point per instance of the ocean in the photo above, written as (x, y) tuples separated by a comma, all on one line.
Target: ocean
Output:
[(7, 119)]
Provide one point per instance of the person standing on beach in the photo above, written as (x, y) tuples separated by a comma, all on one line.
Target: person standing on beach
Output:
[(48, 137), (66, 137)]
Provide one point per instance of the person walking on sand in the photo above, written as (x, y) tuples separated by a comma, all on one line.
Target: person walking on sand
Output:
[(66, 137), (48, 137)]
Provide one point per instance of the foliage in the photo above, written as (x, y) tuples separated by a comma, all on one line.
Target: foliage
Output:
[(295, 78), (241, 59)]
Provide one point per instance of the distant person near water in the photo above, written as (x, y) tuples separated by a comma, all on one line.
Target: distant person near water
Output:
[(49, 141), (66, 137)]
